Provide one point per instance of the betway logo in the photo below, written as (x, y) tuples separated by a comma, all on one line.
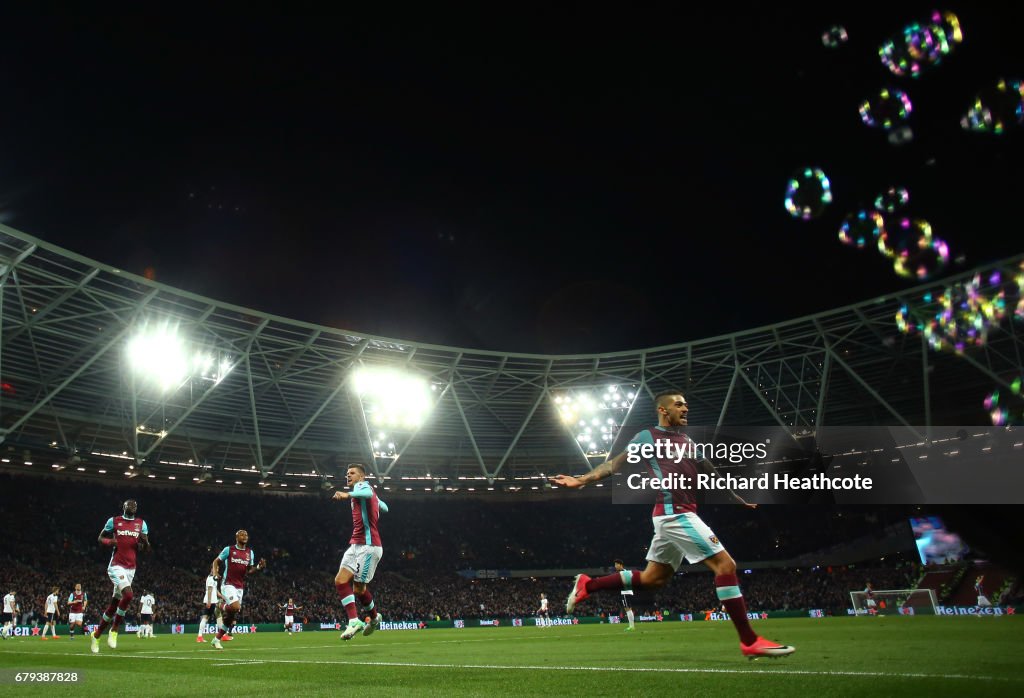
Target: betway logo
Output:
[(240, 560), (133, 534)]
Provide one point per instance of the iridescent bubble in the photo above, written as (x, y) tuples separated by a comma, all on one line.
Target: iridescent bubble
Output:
[(996, 109), (888, 109), (1018, 280), (929, 258), (1005, 409), (921, 45), (896, 57), (860, 228), (892, 199), (901, 235), (808, 192), (968, 311), (913, 318), (992, 400), (945, 27), (834, 37), (921, 42)]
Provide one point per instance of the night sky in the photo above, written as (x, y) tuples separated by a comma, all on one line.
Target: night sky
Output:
[(526, 179)]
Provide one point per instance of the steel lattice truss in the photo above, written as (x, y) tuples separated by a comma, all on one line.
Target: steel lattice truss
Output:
[(287, 412)]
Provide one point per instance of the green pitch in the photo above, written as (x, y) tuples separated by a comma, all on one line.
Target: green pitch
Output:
[(835, 656)]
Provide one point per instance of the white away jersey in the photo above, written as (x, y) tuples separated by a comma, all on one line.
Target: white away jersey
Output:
[(147, 603), (9, 603), (211, 590), (51, 603)]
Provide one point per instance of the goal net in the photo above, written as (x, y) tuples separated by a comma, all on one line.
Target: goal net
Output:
[(895, 602)]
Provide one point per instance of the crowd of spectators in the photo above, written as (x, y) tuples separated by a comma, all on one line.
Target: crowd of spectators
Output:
[(52, 526)]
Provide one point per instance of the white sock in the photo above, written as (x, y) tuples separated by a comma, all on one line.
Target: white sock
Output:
[(629, 614)]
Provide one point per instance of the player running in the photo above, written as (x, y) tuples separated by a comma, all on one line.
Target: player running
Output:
[(239, 561), (78, 601), (128, 535), (360, 560), (627, 598), (210, 597), (678, 532)]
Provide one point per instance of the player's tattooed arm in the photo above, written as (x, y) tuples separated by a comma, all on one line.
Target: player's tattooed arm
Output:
[(708, 467), (605, 470), (144, 544), (106, 538)]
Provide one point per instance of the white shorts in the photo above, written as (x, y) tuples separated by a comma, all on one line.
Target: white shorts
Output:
[(679, 536), (871, 603), (288, 620), (75, 618), (231, 594), (362, 561), (120, 577), (983, 601)]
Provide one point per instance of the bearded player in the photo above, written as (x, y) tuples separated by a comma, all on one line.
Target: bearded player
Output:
[(678, 532), (127, 535), (239, 561)]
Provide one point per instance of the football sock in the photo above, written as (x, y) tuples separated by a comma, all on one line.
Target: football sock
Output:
[(727, 586), (366, 601), (618, 580), (348, 599)]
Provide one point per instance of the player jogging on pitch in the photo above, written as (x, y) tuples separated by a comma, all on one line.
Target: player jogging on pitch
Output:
[(678, 532)]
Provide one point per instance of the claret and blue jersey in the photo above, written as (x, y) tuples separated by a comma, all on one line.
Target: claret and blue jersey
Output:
[(366, 509), (673, 501)]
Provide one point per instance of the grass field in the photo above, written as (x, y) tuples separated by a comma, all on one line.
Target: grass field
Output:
[(835, 656)]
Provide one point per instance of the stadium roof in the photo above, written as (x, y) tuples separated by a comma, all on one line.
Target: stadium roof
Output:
[(286, 414)]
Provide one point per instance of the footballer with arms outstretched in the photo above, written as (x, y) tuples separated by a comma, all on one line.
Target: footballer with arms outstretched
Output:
[(678, 532)]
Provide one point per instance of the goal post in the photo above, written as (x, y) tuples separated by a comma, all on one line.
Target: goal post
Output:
[(895, 602)]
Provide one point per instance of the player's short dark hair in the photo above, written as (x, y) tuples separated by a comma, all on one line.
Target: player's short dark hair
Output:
[(664, 394), (618, 562), (358, 466)]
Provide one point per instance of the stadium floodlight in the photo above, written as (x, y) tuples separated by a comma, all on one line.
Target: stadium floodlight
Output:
[(393, 398), (210, 367), (595, 415), (395, 405), (158, 354), (162, 355)]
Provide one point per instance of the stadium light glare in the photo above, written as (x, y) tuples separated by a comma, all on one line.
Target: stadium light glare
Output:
[(392, 397), (583, 414), (158, 354)]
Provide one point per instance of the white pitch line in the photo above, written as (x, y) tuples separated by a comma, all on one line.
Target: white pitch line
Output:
[(255, 661), (534, 667), (376, 643)]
